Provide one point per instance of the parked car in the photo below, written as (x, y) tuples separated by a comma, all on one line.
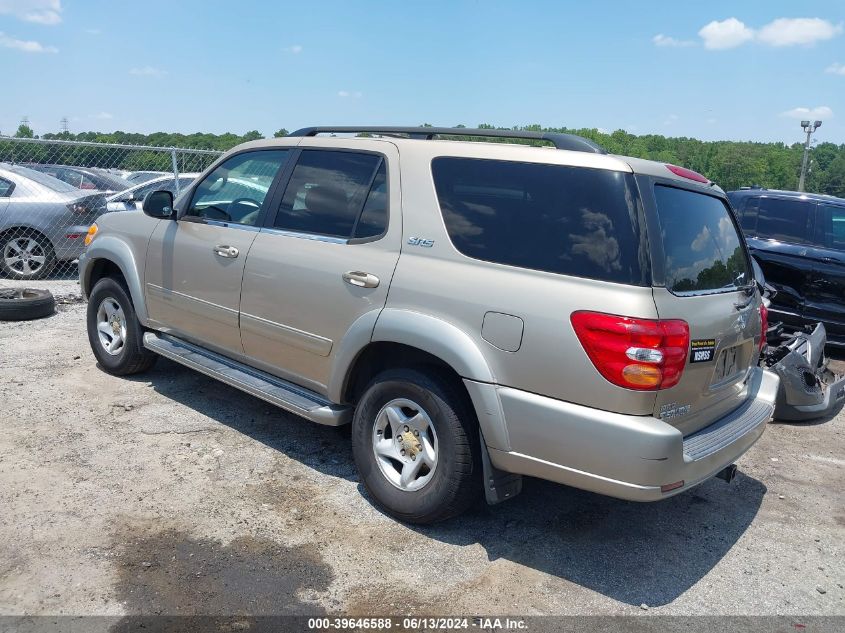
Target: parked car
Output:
[(83, 178), (478, 311), (138, 177), (42, 221), (799, 240), (132, 198)]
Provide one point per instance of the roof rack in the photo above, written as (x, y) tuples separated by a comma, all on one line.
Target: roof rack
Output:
[(558, 139)]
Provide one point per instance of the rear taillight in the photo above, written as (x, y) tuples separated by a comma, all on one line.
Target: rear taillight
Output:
[(79, 207), (689, 174), (764, 325), (642, 354)]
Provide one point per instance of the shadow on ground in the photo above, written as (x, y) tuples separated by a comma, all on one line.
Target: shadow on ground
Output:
[(632, 552)]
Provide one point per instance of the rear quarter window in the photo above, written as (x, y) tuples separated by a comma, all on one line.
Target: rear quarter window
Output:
[(703, 251), (560, 219)]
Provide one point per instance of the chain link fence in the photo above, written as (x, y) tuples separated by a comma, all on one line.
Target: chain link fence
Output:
[(51, 191)]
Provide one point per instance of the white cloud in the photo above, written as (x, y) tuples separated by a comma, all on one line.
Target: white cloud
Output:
[(147, 71), (835, 69), (26, 46), (347, 93), (38, 11), (819, 112), (93, 31), (665, 40), (670, 119), (725, 34), (793, 31), (296, 49), (102, 116)]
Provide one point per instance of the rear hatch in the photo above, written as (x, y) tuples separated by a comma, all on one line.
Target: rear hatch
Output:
[(705, 269)]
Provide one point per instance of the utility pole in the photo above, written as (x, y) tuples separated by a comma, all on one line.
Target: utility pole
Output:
[(809, 129), (64, 123)]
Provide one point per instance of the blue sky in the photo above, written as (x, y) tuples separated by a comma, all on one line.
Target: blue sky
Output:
[(714, 70)]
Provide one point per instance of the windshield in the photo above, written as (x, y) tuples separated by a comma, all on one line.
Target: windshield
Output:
[(43, 179), (703, 250)]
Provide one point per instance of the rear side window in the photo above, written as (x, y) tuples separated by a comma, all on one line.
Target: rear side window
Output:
[(6, 188), (779, 219), (702, 248), (830, 232), (327, 193), (559, 219)]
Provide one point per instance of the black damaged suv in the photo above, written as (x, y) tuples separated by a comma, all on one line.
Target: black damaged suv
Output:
[(799, 240)]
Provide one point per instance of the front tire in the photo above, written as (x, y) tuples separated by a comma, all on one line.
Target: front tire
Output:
[(415, 443), (114, 332)]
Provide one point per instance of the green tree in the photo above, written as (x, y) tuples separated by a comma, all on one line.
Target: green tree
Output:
[(280, 132), (24, 131)]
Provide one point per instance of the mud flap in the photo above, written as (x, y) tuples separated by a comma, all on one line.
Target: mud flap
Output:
[(498, 485)]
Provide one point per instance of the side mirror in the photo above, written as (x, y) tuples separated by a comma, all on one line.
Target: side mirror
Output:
[(159, 205)]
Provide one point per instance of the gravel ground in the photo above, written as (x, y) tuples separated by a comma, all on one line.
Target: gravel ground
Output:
[(171, 493)]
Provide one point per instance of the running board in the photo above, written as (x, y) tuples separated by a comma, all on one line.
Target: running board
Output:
[(277, 391)]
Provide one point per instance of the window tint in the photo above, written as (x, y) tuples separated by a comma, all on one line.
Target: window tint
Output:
[(748, 216), (784, 220), (373, 220), (326, 193), (701, 245), (5, 188), (831, 229), (235, 190), (559, 219)]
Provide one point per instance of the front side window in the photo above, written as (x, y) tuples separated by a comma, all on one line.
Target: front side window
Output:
[(554, 218), (329, 191), (783, 220), (702, 249), (831, 229), (235, 191), (6, 188)]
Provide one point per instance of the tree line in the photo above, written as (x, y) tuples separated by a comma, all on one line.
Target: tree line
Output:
[(731, 164)]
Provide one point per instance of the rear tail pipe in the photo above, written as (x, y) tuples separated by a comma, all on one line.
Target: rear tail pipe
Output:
[(727, 473)]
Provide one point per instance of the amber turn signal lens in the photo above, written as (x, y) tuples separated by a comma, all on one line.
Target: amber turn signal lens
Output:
[(642, 375), (92, 231)]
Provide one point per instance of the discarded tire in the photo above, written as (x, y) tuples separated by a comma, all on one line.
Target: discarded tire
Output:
[(23, 304)]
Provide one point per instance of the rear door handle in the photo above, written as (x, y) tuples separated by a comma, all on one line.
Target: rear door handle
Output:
[(229, 252), (360, 279)]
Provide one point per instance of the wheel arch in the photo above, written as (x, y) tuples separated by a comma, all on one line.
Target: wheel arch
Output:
[(106, 256), (24, 228), (403, 338)]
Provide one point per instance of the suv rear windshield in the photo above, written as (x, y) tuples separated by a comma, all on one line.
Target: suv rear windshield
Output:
[(703, 251), (568, 220)]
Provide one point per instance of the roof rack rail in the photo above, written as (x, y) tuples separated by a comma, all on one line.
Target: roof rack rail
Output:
[(558, 139)]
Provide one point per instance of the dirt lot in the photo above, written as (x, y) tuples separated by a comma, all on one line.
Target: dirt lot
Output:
[(171, 493)]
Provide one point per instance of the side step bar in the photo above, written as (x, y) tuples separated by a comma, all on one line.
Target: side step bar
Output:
[(260, 384)]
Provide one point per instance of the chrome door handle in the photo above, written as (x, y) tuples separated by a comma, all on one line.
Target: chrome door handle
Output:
[(360, 279), (229, 252)]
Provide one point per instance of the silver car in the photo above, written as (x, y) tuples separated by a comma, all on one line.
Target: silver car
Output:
[(43, 221), (478, 311), (132, 198)]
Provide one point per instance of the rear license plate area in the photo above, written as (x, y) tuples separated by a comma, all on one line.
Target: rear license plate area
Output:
[(727, 364)]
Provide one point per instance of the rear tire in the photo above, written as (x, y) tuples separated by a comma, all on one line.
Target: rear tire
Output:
[(415, 443), (25, 255), (114, 332)]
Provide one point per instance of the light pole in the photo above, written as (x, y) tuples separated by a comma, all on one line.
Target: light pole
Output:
[(809, 129)]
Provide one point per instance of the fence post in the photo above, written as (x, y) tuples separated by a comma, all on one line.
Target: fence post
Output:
[(175, 170)]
